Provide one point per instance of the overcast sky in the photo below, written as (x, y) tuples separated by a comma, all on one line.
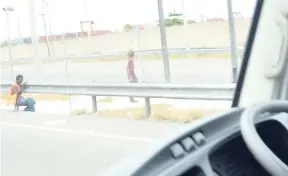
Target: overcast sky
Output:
[(111, 14)]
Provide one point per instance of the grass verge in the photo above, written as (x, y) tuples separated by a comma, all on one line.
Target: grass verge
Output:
[(29, 62), (157, 57), (105, 100), (52, 97), (43, 97), (123, 57), (159, 112)]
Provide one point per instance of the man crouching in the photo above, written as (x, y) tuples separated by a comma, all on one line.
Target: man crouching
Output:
[(15, 95)]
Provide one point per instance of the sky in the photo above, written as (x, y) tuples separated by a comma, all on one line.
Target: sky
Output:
[(65, 16)]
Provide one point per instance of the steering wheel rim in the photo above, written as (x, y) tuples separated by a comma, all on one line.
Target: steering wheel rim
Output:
[(255, 144)]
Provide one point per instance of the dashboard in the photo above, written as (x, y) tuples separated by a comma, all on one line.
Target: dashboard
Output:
[(233, 157), (212, 146)]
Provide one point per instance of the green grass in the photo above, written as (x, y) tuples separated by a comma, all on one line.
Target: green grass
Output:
[(52, 97), (105, 100), (43, 97), (160, 112), (81, 112), (23, 62), (157, 57), (123, 57)]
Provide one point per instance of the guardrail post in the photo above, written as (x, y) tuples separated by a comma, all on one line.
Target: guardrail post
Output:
[(94, 104), (147, 107)]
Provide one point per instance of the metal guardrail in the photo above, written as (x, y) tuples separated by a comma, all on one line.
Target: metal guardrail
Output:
[(147, 91)]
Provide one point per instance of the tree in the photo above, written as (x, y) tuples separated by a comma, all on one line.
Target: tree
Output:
[(128, 27), (174, 19)]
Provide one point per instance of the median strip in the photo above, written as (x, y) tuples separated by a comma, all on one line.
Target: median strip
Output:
[(209, 55), (160, 112)]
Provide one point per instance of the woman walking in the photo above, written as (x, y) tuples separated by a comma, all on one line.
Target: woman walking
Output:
[(131, 72)]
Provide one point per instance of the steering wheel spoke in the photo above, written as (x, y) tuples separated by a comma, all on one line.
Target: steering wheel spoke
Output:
[(281, 118), (207, 168)]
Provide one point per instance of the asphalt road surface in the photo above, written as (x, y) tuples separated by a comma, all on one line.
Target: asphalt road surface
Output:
[(191, 71), (43, 145)]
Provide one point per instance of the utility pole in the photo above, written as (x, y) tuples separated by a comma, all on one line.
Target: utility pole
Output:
[(7, 10), (46, 35), (138, 49), (164, 42), (185, 25), (34, 38), (19, 29), (46, 17), (85, 14), (66, 66), (233, 45)]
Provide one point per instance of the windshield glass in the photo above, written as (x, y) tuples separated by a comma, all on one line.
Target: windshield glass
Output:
[(78, 76)]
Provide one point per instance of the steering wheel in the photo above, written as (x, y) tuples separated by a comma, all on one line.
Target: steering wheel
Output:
[(255, 144)]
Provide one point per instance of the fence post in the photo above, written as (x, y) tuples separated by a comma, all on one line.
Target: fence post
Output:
[(94, 104), (147, 107)]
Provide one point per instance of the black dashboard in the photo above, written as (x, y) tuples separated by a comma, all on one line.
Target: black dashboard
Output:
[(212, 146), (234, 159)]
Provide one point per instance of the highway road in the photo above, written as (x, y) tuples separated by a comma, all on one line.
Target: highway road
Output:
[(43, 145), (182, 71)]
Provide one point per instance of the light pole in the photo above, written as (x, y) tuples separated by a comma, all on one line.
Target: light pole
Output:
[(85, 17), (46, 12), (233, 46), (34, 39), (138, 47), (164, 42), (66, 66), (46, 36), (53, 37), (19, 29), (185, 25), (7, 10)]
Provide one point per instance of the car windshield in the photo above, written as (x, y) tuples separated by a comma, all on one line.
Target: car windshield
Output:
[(86, 83)]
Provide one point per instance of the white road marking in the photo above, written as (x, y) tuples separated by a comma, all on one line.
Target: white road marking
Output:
[(55, 122), (87, 133), (200, 71)]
